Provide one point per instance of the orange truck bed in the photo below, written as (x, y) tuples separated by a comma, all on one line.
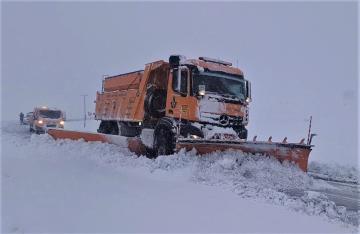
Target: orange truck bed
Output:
[(122, 97)]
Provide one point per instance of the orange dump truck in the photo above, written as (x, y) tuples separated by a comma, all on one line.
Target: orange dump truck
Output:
[(184, 98)]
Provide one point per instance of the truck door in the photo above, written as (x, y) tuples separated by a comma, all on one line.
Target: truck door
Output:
[(177, 104)]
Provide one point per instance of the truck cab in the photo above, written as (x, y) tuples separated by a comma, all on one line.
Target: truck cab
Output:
[(45, 117), (208, 93)]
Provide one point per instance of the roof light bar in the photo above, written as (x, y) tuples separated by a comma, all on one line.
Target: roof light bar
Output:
[(206, 59)]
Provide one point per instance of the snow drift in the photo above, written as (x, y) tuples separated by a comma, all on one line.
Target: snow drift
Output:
[(249, 176), (334, 172), (255, 178)]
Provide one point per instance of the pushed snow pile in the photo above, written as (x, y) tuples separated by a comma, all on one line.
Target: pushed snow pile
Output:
[(215, 132), (334, 172), (267, 179), (251, 177)]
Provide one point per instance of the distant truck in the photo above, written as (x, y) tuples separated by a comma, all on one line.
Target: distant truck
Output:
[(185, 98), (45, 117)]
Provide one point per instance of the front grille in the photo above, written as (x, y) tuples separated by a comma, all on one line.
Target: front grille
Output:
[(51, 125), (235, 120), (215, 119)]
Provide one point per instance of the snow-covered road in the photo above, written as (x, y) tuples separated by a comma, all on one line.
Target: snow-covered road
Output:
[(68, 186)]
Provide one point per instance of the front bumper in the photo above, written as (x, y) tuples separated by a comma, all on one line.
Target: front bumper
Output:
[(43, 128), (223, 120)]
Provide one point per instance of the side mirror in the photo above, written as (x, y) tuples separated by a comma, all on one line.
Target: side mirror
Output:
[(180, 80), (248, 92), (201, 91), (178, 85)]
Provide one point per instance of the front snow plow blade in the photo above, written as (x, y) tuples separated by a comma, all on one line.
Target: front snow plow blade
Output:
[(297, 153), (134, 144)]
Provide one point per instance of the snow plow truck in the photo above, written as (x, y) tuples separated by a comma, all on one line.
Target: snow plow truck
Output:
[(183, 103)]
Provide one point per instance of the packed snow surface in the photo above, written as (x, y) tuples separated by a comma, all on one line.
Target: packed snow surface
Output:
[(75, 186), (335, 172)]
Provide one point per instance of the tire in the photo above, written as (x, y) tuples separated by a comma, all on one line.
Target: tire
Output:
[(31, 129), (108, 127), (150, 153), (242, 133), (118, 128), (128, 131), (164, 141), (103, 127)]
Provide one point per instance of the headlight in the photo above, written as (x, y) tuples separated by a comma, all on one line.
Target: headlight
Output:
[(62, 122), (194, 137), (202, 93), (40, 121), (248, 100)]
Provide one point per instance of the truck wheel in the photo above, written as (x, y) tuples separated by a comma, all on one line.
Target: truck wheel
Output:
[(242, 133), (128, 131), (102, 127), (108, 127), (30, 128), (164, 141)]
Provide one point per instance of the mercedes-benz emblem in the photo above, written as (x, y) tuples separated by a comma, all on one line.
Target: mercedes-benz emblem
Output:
[(224, 120)]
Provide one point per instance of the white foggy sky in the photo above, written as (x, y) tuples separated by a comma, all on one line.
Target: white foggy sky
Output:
[(301, 58)]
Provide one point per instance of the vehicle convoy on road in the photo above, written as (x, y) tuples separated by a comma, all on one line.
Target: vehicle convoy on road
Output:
[(183, 103), (45, 117)]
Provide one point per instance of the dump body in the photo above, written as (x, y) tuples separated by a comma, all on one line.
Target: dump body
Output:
[(122, 97), (117, 100)]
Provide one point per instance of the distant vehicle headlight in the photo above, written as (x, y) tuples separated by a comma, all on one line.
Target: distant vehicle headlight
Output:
[(62, 122), (40, 121)]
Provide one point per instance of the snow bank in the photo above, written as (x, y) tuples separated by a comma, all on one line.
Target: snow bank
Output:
[(255, 177), (335, 172), (267, 179)]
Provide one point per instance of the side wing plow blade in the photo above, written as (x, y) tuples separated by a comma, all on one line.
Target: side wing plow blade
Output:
[(297, 153)]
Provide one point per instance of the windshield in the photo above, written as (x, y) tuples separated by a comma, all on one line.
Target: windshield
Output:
[(51, 114), (225, 85)]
